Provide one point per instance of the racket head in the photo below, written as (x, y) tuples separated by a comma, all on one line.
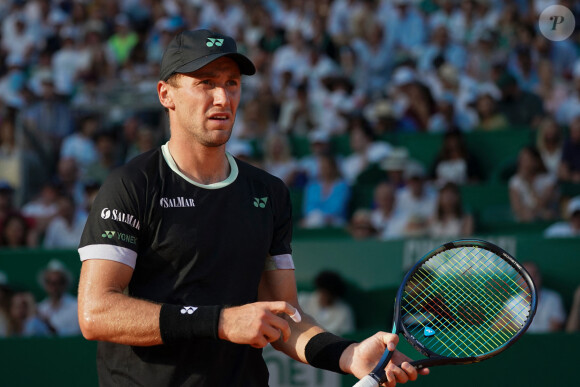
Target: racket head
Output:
[(463, 302)]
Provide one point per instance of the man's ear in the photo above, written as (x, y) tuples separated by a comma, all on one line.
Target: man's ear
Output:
[(165, 95)]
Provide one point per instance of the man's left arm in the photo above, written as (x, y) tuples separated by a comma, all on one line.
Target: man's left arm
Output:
[(280, 285), (357, 358)]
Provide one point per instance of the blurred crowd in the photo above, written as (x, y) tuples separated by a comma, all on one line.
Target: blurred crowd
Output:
[(78, 98)]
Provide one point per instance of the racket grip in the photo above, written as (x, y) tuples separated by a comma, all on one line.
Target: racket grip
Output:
[(367, 381)]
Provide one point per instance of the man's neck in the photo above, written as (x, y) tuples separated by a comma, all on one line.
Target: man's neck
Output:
[(205, 165)]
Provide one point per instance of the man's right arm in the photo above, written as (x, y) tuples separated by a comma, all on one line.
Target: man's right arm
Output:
[(107, 314)]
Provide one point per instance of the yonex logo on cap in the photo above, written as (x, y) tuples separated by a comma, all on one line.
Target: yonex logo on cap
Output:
[(213, 41), (188, 309)]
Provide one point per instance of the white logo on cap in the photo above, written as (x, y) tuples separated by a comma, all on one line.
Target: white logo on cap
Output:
[(213, 41)]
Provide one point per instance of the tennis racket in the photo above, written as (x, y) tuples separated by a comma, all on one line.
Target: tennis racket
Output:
[(463, 302)]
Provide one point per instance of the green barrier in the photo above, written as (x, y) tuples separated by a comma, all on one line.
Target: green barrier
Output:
[(48, 362), (535, 360), (368, 264)]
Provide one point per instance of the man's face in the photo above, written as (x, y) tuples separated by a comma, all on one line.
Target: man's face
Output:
[(204, 103)]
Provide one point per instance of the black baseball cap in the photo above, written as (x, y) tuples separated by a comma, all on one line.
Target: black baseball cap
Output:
[(191, 50)]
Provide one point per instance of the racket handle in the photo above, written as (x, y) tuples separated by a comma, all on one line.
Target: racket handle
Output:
[(367, 381)]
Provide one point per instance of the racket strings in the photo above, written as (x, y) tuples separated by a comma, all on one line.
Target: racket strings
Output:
[(453, 276), (463, 308), (473, 318), (479, 340)]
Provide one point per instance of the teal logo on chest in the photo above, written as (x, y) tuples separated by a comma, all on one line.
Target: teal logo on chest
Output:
[(260, 202)]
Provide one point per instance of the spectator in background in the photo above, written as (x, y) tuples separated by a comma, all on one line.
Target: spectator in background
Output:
[(573, 323), (278, 159), (255, 121), (524, 70), (44, 207), (450, 220), (120, 44), (569, 169), (415, 204), (549, 142), (455, 163), (420, 109), (147, 139), (320, 145), (520, 107), (24, 319), (450, 117), (59, 309), (383, 212), (80, 145), (296, 115), (17, 232), (365, 147), (68, 63), (106, 145), (550, 315), (5, 296), (442, 46), (373, 55), (7, 206), (11, 155), (361, 225), (394, 166), (551, 88), (406, 29), (569, 227), (64, 231), (68, 178), (487, 110), (569, 107), (48, 121), (326, 304), (532, 191), (326, 197)]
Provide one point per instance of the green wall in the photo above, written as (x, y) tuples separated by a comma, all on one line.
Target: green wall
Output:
[(373, 270)]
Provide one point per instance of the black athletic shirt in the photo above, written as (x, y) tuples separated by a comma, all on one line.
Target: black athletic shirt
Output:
[(189, 244)]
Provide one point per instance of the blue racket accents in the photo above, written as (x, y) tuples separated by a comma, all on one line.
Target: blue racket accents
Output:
[(428, 332)]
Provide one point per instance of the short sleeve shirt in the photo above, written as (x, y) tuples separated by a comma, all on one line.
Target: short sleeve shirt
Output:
[(189, 244)]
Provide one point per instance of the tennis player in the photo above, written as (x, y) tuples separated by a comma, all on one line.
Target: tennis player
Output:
[(187, 266)]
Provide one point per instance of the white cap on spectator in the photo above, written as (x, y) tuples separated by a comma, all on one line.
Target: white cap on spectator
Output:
[(414, 169), (396, 160), (403, 76), (54, 265), (573, 206), (319, 135)]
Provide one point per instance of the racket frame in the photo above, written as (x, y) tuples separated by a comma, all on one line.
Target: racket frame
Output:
[(432, 358)]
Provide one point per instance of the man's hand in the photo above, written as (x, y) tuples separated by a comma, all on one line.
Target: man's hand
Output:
[(256, 324), (360, 359)]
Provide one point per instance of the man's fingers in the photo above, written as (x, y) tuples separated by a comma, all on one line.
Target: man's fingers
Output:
[(272, 334), (284, 307), (390, 340), (410, 371)]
